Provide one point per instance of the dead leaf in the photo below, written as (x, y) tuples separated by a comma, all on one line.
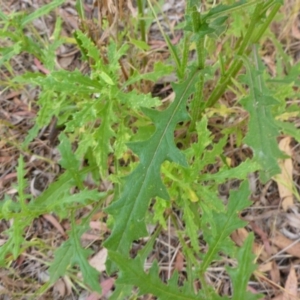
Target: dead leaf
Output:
[(98, 260), (60, 288), (290, 287), (133, 11), (274, 273), (179, 262), (93, 296), (266, 267), (263, 236), (106, 286), (40, 67), (293, 218), (295, 30), (240, 235), (279, 297), (285, 178), (65, 61), (98, 225), (69, 19), (285, 244), (91, 237), (52, 220)]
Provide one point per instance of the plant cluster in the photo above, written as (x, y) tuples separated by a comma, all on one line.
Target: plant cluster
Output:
[(166, 161)]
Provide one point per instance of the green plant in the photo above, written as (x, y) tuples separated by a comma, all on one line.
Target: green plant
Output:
[(108, 116)]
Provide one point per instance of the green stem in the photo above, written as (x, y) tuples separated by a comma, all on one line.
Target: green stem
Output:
[(142, 25), (142, 19), (237, 63), (197, 102), (267, 22)]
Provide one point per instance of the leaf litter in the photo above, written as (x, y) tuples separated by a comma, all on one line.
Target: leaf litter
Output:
[(274, 215)]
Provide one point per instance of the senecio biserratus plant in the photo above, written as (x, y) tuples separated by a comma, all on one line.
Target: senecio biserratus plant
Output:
[(112, 131)]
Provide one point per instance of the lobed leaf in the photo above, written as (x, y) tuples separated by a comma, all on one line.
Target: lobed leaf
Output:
[(45, 9), (132, 274), (70, 253), (145, 181), (240, 276), (239, 172), (217, 227), (262, 129)]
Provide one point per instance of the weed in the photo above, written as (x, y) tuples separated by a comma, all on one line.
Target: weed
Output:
[(114, 130)]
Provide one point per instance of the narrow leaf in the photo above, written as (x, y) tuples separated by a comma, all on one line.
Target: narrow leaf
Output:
[(41, 11)]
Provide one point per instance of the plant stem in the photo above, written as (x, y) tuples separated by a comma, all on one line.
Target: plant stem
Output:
[(197, 103), (237, 63), (142, 25), (198, 96), (267, 22), (142, 20)]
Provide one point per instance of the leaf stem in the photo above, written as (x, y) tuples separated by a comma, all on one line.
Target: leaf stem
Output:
[(198, 96), (237, 63), (142, 20)]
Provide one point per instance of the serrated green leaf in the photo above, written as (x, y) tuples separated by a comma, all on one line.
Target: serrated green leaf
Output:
[(21, 182), (83, 197), (73, 83), (290, 129), (135, 100), (239, 172), (145, 181), (68, 160), (192, 229), (262, 129), (102, 136), (15, 238), (205, 140), (5, 249), (8, 52), (71, 253), (159, 71), (240, 276), (41, 11), (217, 227), (88, 113), (89, 47), (8, 207), (132, 273), (17, 235), (53, 197), (209, 201), (90, 274), (62, 260)]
